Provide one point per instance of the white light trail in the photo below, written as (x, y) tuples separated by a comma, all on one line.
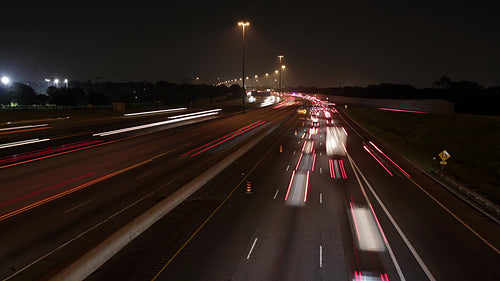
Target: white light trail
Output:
[(23, 127), (195, 113), (18, 143), (156, 111), (151, 125)]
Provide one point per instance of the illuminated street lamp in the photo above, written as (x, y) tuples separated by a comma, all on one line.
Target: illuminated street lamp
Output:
[(280, 57), (48, 82), (57, 82), (5, 80), (66, 82), (276, 79), (243, 24), (283, 78)]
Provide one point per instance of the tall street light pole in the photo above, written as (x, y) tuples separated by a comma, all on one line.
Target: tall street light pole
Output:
[(283, 76), (280, 57), (243, 24)]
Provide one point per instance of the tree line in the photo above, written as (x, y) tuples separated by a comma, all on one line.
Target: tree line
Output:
[(468, 97), (105, 93)]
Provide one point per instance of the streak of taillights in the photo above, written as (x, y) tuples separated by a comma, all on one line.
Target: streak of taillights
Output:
[(304, 146), (307, 187), (342, 169), (345, 132), (42, 152), (385, 168), (378, 149), (228, 135), (332, 168), (355, 223), (401, 110), (44, 190), (314, 161), (220, 142), (289, 185), (298, 162), (56, 154), (378, 223)]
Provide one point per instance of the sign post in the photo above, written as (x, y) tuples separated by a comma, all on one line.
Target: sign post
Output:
[(444, 155)]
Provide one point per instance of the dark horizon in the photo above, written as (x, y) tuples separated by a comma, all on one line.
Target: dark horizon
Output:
[(325, 44)]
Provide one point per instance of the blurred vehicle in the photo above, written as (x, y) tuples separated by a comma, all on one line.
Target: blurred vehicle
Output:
[(315, 120), (336, 142), (369, 242)]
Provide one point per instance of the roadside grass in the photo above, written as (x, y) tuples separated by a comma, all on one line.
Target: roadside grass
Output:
[(471, 140)]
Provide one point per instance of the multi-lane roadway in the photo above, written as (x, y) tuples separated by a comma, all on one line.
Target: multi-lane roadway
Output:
[(292, 208)]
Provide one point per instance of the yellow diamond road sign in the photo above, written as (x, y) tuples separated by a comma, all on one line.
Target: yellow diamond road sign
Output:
[(444, 155)]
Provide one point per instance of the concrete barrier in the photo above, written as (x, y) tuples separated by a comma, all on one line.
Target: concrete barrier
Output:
[(428, 105), (92, 260)]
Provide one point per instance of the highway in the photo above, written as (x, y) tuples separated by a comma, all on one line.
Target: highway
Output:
[(309, 215), (54, 208), (223, 233)]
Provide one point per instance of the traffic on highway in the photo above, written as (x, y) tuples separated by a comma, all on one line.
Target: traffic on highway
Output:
[(290, 189)]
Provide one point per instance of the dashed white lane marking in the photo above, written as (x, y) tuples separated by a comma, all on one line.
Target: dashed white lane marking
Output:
[(251, 249), (320, 170), (321, 198), (320, 256), (140, 177), (287, 167), (276, 194), (77, 206)]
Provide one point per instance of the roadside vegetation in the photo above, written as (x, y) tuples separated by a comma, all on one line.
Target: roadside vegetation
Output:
[(472, 141)]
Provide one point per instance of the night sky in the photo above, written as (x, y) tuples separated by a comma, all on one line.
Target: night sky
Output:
[(325, 43)]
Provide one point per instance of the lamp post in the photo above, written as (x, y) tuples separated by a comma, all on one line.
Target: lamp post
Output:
[(280, 57), (276, 80), (66, 82), (283, 78), (57, 82), (243, 24)]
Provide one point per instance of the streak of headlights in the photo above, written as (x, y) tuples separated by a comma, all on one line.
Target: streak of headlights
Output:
[(18, 143), (155, 111), (23, 127), (153, 124), (194, 113)]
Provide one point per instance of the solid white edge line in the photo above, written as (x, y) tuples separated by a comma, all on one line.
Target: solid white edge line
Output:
[(396, 226), (276, 194), (251, 249)]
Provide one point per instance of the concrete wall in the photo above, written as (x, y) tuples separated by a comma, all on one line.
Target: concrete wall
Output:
[(427, 105)]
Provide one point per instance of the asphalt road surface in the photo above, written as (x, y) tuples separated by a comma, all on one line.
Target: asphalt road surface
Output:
[(366, 213), (309, 215)]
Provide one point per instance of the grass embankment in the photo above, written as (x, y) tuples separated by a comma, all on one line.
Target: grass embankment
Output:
[(472, 141)]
